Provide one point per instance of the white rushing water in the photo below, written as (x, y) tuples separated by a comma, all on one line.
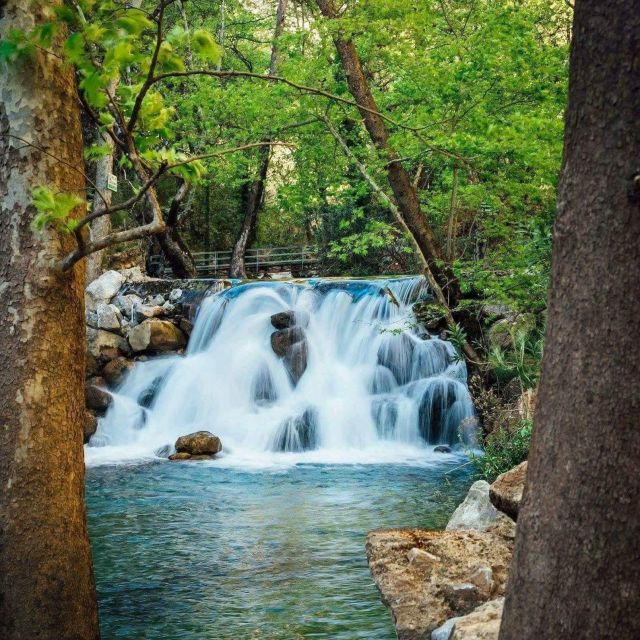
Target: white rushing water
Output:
[(374, 389)]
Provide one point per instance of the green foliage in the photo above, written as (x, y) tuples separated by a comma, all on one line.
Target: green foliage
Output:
[(54, 208), (521, 360), (503, 450)]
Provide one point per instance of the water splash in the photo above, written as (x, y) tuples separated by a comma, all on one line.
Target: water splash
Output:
[(373, 390)]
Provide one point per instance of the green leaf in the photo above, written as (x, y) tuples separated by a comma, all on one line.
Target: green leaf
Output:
[(93, 86), (54, 208), (134, 23), (205, 46)]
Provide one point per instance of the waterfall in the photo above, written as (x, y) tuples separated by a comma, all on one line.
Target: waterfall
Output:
[(360, 383)]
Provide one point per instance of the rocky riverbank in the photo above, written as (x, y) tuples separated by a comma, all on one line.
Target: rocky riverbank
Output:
[(449, 585)]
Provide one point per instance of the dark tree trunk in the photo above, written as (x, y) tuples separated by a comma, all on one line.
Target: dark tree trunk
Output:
[(576, 568), (399, 180), (46, 582), (255, 192)]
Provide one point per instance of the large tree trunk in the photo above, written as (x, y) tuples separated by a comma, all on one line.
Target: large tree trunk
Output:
[(399, 180), (256, 189), (46, 582), (576, 567)]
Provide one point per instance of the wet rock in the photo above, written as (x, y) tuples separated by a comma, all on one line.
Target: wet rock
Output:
[(282, 340), (299, 433), (296, 360), (146, 398), (96, 398), (283, 320), (105, 345), (156, 335), (181, 455), (186, 326), (104, 288), (396, 353), (477, 512), (199, 443), (288, 319), (90, 425), (442, 448), (114, 372), (420, 595), (506, 492), (431, 315)]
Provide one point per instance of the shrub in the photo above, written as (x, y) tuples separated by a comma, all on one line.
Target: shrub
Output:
[(502, 450)]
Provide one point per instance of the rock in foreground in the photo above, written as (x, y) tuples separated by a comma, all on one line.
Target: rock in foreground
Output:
[(506, 492), (477, 512), (458, 571), (200, 445), (482, 623)]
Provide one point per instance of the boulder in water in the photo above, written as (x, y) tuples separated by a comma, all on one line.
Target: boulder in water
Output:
[(295, 360), (181, 455), (298, 433), (442, 448), (288, 319), (199, 443), (506, 492), (283, 339), (115, 371), (156, 335), (96, 398)]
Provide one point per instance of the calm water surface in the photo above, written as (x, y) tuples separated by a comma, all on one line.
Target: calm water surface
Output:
[(195, 551)]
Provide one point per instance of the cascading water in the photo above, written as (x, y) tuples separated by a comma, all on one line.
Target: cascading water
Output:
[(364, 385)]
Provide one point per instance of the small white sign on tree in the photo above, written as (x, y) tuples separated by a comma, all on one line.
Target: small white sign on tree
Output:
[(112, 183)]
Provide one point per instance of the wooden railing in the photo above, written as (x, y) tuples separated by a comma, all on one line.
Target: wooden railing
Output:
[(257, 261)]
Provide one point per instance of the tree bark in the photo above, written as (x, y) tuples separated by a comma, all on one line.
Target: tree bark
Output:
[(399, 180), (576, 566), (47, 589), (173, 247), (255, 192), (100, 227)]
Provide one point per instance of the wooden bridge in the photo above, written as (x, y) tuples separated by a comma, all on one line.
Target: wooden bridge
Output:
[(209, 264)]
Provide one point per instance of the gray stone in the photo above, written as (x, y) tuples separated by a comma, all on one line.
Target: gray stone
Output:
[(104, 288), (158, 300), (128, 303), (462, 597), (445, 631), (476, 511), (108, 317), (175, 295)]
